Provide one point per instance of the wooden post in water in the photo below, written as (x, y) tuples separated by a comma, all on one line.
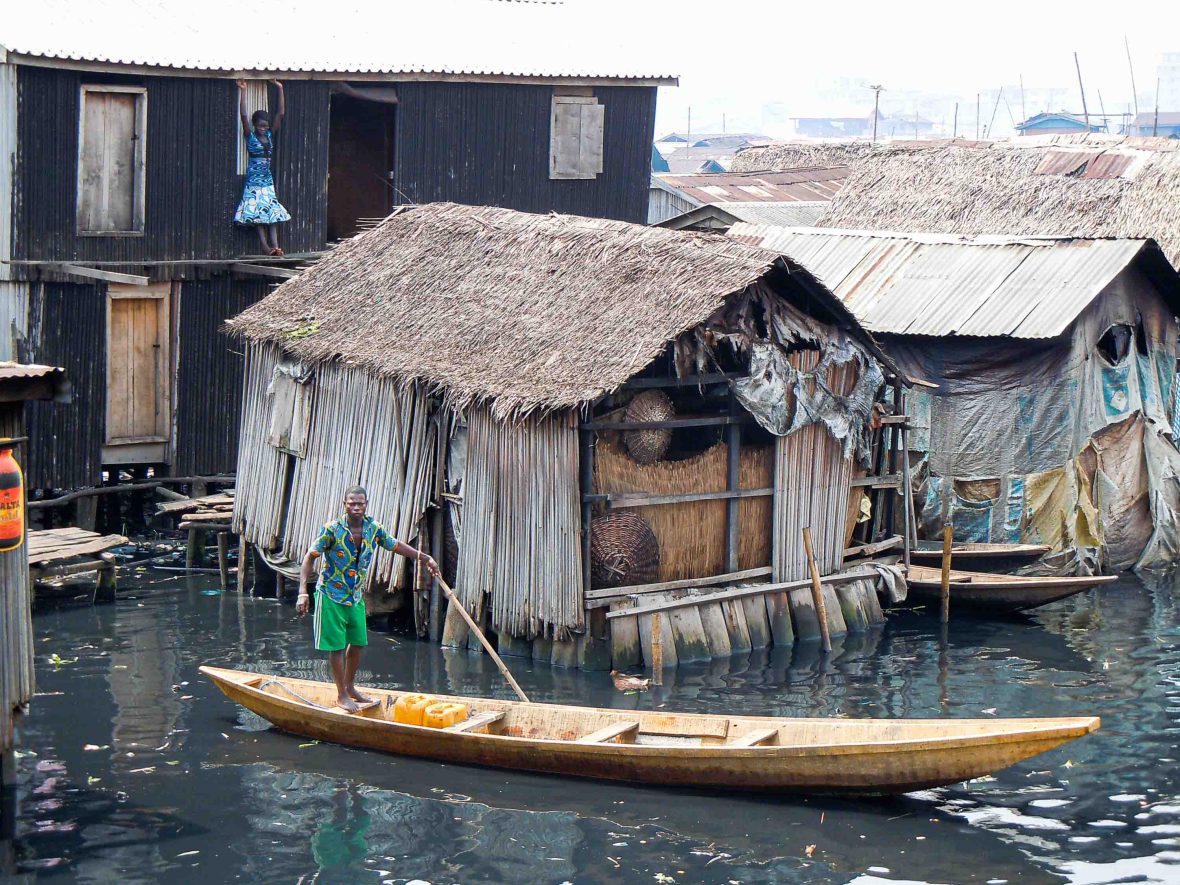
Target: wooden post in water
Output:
[(948, 535), (817, 592), (223, 559), (657, 650), (243, 553)]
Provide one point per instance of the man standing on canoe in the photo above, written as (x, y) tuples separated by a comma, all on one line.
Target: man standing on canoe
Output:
[(347, 546)]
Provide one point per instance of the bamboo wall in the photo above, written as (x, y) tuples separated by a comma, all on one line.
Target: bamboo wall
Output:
[(692, 535), (363, 430), (813, 486), (519, 552), (16, 624)]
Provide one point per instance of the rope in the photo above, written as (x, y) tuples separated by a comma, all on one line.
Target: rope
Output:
[(292, 692)]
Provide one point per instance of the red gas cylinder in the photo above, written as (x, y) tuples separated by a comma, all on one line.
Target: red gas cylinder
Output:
[(12, 502)]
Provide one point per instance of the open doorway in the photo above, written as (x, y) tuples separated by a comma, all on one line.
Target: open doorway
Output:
[(360, 158)]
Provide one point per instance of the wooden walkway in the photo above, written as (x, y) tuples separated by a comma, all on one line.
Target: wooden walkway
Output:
[(65, 552)]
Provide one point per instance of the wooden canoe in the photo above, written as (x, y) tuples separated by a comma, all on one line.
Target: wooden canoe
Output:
[(983, 591), (754, 753), (979, 557)]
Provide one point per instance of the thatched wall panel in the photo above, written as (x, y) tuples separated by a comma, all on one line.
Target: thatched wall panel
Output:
[(692, 535)]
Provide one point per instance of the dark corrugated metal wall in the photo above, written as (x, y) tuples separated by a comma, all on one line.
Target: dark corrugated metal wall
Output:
[(192, 187), (488, 144), (209, 370), (67, 328)]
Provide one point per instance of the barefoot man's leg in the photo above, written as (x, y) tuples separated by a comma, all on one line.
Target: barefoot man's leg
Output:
[(342, 680), (352, 663)]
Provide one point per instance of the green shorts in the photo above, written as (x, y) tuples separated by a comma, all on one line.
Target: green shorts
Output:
[(338, 626)]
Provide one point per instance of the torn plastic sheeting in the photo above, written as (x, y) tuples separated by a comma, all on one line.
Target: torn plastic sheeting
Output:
[(782, 399)]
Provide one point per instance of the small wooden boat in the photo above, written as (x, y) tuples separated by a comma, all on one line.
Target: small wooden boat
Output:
[(755, 753), (996, 593), (979, 557)]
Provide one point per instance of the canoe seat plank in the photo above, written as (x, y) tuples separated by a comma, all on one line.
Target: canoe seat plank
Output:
[(753, 738), (609, 732), (476, 722)]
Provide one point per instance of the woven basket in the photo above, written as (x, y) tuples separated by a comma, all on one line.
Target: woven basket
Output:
[(623, 550), (648, 446)]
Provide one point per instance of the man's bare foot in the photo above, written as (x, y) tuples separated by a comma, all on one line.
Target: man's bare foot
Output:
[(347, 705), (360, 698)]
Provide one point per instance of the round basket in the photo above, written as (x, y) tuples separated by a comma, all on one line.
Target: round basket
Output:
[(648, 446), (623, 550)]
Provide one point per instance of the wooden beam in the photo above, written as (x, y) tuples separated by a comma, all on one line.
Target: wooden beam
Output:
[(682, 584), (614, 501), (732, 484), (886, 481), (870, 549), (734, 593), (93, 273), (262, 270), (753, 738), (609, 732), (476, 722), (670, 424), (686, 381)]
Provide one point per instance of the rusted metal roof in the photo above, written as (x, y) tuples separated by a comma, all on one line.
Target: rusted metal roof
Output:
[(946, 285), (807, 185), (359, 37)]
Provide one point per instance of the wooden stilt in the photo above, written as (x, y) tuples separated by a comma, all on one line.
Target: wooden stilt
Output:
[(657, 649), (86, 512), (626, 650), (106, 582), (243, 559), (817, 593), (223, 559), (948, 539)]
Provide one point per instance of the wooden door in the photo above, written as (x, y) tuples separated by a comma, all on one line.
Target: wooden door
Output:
[(110, 160), (139, 377)]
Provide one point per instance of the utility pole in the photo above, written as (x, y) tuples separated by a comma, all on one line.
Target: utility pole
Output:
[(1155, 123), (995, 107), (688, 131), (977, 116), (1102, 108), (1085, 112), (876, 104), (1131, 67), (1023, 109), (955, 126)]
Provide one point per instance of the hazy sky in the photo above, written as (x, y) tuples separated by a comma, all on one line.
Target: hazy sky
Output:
[(737, 58)]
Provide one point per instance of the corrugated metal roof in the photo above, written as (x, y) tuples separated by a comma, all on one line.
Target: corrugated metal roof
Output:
[(502, 38), (10, 370), (798, 213), (944, 285), (806, 185)]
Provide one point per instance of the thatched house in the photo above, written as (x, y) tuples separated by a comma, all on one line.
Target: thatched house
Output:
[(1055, 361), (536, 372)]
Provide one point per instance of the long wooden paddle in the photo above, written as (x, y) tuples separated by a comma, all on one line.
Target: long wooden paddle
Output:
[(483, 639)]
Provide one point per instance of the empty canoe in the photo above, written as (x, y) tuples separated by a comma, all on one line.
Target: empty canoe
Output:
[(982, 591), (755, 753), (978, 556)]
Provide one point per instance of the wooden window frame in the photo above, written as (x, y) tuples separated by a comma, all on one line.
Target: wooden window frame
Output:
[(582, 99), (155, 292), (138, 200)]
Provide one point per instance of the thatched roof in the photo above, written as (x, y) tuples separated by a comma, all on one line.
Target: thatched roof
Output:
[(1080, 186), (783, 156), (528, 311)]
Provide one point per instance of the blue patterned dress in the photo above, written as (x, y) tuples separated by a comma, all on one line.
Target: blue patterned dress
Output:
[(259, 204)]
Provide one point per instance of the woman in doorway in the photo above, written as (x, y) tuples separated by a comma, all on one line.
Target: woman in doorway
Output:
[(259, 206)]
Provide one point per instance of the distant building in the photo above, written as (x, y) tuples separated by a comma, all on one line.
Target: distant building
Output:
[(658, 163), (672, 196), (1060, 123), (834, 127), (1166, 126)]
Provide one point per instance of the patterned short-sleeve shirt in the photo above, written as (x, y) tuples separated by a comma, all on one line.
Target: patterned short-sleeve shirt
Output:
[(342, 577)]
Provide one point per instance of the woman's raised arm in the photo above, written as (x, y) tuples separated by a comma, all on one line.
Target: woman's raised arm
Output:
[(242, 107), (277, 120)]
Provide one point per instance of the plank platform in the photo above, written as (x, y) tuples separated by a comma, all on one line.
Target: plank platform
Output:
[(609, 732), (51, 545)]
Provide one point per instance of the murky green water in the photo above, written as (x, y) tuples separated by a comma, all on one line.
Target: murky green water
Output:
[(137, 770)]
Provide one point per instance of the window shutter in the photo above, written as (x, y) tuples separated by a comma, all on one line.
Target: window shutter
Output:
[(575, 146), (111, 155)]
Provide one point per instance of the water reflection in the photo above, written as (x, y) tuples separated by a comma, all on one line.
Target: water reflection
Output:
[(144, 772)]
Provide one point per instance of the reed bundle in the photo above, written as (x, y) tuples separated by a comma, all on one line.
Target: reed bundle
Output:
[(692, 535), (519, 552)]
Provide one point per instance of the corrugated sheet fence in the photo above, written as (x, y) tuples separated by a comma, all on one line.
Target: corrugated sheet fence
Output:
[(16, 625), (521, 524)]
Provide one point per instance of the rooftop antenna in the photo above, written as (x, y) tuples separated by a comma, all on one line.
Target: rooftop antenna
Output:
[(1085, 112), (1134, 94), (876, 102)]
